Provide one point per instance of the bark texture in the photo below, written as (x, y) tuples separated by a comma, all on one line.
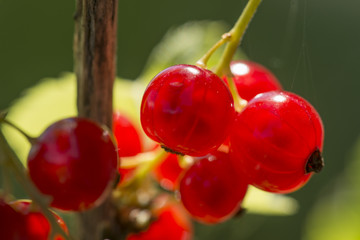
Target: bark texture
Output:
[(95, 57), (95, 69)]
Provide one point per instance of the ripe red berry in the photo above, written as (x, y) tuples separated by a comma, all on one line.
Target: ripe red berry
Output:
[(167, 172), (128, 142), (171, 223), (251, 79), (187, 109), (36, 226), (74, 161), (211, 190), (126, 135), (276, 142)]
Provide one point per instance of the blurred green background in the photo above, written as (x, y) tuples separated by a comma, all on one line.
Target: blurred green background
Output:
[(312, 47)]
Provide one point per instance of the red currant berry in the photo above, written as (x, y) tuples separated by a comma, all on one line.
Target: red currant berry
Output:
[(127, 136), (211, 190), (75, 162), (12, 223), (276, 141), (251, 79), (37, 227), (171, 223), (168, 172), (128, 142), (187, 109)]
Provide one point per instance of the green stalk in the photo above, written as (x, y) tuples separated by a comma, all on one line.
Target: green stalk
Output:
[(233, 38), (239, 102), (202, 62), (146, 166), (236, 34), (30, 139)]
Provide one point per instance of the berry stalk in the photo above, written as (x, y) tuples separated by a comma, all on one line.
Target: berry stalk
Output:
[(234, 37), (30, 139), (236, 34), (202, 62), (146, 166), (239, 102), (140, 158)]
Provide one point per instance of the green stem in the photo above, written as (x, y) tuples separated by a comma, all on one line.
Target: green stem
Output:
[(202, 62), (146, 166), (137, 160), (239, 102), (144, 169), (236, 34), (12, 161), (31, 140)]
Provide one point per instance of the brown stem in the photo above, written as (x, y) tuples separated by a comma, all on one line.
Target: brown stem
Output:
[(95, 57), (94, 63)]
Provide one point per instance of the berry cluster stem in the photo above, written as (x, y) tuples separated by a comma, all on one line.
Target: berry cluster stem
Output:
[(236, 34), (239, 102), (234, 37), (147, 165), (140, 158), (30, 139), (202, 62), (10, 160)]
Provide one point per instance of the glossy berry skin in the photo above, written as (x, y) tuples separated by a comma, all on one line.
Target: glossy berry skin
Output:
[(276, 142), (168, 171), (251, 79), (36, 226), (126, 135), (18, 220), (187, 109), (171, 223), (211, 190), (75, 162), (128, 142)]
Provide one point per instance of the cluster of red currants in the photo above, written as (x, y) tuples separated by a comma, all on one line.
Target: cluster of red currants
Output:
[(273, 143)]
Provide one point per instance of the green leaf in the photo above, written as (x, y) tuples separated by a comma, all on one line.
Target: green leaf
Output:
[(260, 202), (55, 98), (50, 100), (337, 215)]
